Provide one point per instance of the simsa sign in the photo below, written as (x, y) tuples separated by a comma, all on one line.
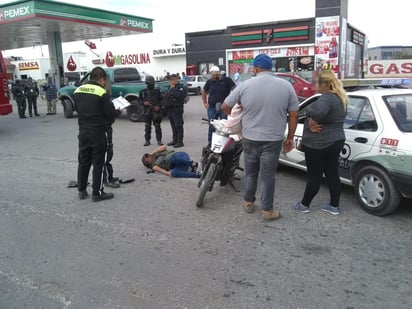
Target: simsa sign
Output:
[(390, 68)]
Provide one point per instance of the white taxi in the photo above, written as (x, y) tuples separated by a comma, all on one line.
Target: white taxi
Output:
[(377, 156)]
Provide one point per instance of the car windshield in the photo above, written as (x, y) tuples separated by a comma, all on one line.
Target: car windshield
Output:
[(400, 107), (191, 78)]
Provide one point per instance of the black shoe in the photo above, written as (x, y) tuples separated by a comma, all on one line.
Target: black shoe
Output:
[(171, 143), (147, 143), (83, 195), (178, 145), (195, 167), (31, 115), (160, 143), (48, 114), (115, 179), (36, 115), (112, 184), (23, 117), (103, 196)]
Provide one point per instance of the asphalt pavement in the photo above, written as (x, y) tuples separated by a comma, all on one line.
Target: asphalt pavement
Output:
[(150, 247)]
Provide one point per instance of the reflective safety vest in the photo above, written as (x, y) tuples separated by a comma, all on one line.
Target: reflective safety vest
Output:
[(328, 67)]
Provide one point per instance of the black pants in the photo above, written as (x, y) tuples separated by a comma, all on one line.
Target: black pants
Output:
[(319, 162), (108, 167), (32, 101), (155, 119), (175, 115), (92, 151), (21, 106)]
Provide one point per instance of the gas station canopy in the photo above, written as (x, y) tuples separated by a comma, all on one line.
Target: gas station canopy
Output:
[(27, 23)]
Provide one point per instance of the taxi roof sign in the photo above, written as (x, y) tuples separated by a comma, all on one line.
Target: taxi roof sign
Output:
[(375, 82)]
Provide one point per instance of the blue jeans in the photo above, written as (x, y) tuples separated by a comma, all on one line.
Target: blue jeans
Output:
[(211, 113), (181, 165), (261, 161)]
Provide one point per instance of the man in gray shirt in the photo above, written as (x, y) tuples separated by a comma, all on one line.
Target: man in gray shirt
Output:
[(269, 104)]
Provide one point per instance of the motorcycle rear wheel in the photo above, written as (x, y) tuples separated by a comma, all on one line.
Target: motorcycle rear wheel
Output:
[(206, 184)]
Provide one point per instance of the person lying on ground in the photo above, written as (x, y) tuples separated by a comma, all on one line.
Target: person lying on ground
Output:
[(171, 163)]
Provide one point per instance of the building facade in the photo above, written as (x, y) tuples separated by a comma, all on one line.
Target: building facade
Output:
[(302, 45), (390, 52)]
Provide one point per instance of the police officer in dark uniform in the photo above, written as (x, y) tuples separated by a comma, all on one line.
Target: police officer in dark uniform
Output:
[(108, 179), (95, 110), (152, 101), (18, 92), (32, 92), (175, 100)]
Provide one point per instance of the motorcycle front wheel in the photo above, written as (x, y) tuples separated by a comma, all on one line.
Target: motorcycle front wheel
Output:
[(206, 184)]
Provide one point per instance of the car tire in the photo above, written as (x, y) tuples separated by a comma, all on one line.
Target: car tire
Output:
[(376, 191), (68, 108), (198, 91), (135, 111)]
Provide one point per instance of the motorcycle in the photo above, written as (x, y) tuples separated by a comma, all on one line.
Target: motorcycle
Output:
[(220, 160)]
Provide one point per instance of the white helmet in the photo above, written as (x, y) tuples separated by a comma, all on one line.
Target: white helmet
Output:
[(214, 69)]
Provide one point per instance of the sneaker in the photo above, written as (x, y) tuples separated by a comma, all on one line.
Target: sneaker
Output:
[(178, 145), (195, 167), (115, 179), (171, 143), (301, 208), (249, 207), (159, 143), (82, 195), (270, 215), (101, 197), (147, 143), (112, 184), (330, 209)]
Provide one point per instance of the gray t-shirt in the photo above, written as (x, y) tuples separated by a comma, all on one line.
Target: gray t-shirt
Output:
[(266, 100), (330, 113)]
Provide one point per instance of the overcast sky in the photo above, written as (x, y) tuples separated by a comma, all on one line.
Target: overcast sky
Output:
[(385, 22)]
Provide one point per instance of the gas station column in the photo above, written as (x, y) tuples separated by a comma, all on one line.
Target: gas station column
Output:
[(54, 43)]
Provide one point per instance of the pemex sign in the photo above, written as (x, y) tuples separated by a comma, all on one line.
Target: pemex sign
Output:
[(65, 12), (16, 12)]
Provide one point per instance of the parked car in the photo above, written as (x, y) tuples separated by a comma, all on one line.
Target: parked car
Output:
[(195, 83), (302, 87), (377, 156), (124, 81)]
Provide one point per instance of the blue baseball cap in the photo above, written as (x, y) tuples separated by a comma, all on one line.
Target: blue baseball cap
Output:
[(262, 61)]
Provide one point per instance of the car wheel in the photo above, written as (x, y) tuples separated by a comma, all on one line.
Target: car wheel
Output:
[(376, 191), (135, 111), (198, 90), (68, 108)]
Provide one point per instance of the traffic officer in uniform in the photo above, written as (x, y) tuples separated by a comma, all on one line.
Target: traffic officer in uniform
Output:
[(95, 110), (152, 101), (175, 99)]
